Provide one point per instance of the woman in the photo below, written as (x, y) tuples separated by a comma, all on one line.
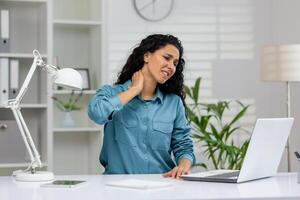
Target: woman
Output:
[(143, 113)]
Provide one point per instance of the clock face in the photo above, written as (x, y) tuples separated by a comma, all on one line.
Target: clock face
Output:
[(153, 10)]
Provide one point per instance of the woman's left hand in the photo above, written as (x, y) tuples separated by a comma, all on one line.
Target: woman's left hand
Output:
[(183, 167)]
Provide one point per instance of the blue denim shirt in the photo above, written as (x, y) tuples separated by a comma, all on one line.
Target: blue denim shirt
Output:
[(141, 136)]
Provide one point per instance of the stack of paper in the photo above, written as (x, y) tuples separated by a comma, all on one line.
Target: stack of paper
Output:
[(139, 184)]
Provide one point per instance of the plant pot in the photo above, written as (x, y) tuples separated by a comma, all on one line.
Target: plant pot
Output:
[(68, 121)]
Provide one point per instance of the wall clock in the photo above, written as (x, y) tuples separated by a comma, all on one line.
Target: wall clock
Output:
[(153, 10)]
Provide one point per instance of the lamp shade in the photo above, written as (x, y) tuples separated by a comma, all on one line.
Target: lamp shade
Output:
[(69, 78), (281, 63)]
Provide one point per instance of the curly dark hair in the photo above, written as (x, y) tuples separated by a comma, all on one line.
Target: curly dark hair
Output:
[(150, 44)]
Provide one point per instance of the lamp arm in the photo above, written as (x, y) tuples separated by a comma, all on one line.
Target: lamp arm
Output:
[(14, 105), (36, 61), (32, 151), (36, 156)]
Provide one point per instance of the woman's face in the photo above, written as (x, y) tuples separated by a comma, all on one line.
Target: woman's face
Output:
[(162, 63)]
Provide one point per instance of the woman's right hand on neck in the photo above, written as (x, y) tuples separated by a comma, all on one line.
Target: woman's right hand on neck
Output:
[(137, 82), (135, 88)]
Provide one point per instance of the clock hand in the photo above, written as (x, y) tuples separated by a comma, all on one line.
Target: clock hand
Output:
[(153, 8), (145, 6)]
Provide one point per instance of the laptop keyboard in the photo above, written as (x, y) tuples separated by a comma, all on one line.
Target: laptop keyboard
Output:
[(226, 175)]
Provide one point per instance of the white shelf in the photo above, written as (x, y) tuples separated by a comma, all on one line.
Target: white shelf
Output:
[(9, 165), (76, 92), (77, 23), (83, 129), (31, 106), (26, 1), (19, 55), (73, 32)]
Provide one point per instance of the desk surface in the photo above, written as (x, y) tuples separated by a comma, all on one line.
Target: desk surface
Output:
[(282, 186)]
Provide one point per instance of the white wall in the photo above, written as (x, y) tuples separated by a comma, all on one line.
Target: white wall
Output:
[(222, 41)]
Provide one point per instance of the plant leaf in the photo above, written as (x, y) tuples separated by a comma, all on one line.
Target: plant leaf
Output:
[(239, 115), (196, 90), (187, 91)]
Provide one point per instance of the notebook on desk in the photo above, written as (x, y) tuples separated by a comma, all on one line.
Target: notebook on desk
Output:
[(263, 155), (139, 184)]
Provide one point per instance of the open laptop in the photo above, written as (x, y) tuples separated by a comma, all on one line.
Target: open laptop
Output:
[(262, 157)]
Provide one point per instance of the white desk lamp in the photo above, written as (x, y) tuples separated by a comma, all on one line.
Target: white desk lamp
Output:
[(66, 77), (282, 63)]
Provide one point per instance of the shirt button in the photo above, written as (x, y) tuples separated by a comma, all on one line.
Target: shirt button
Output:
[(146, 158), (146, 107)]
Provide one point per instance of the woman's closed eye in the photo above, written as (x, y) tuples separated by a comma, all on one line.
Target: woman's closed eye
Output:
[(168, 58)]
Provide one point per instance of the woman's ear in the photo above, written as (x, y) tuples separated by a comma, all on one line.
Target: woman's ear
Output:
[(146, 57)]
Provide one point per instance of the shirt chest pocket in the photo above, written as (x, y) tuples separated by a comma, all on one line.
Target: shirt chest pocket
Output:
[(161, 135), (126, 126)]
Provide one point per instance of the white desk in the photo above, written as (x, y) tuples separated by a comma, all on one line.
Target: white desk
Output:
[(282, 186)]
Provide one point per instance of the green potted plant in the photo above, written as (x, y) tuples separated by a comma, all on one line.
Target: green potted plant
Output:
[(214, 135), (67, 107)]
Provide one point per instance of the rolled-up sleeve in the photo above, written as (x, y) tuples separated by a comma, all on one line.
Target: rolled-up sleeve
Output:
[(181, 143), (104, 105)]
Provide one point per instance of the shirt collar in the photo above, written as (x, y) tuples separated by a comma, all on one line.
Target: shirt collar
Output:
[(158, 93)]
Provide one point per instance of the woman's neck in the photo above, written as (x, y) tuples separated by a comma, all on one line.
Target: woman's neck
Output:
[(149, 86)]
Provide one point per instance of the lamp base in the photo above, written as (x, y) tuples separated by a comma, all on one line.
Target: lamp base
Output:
[(36, 177)]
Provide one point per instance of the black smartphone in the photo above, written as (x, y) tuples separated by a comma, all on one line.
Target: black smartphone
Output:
[(64, 184)]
